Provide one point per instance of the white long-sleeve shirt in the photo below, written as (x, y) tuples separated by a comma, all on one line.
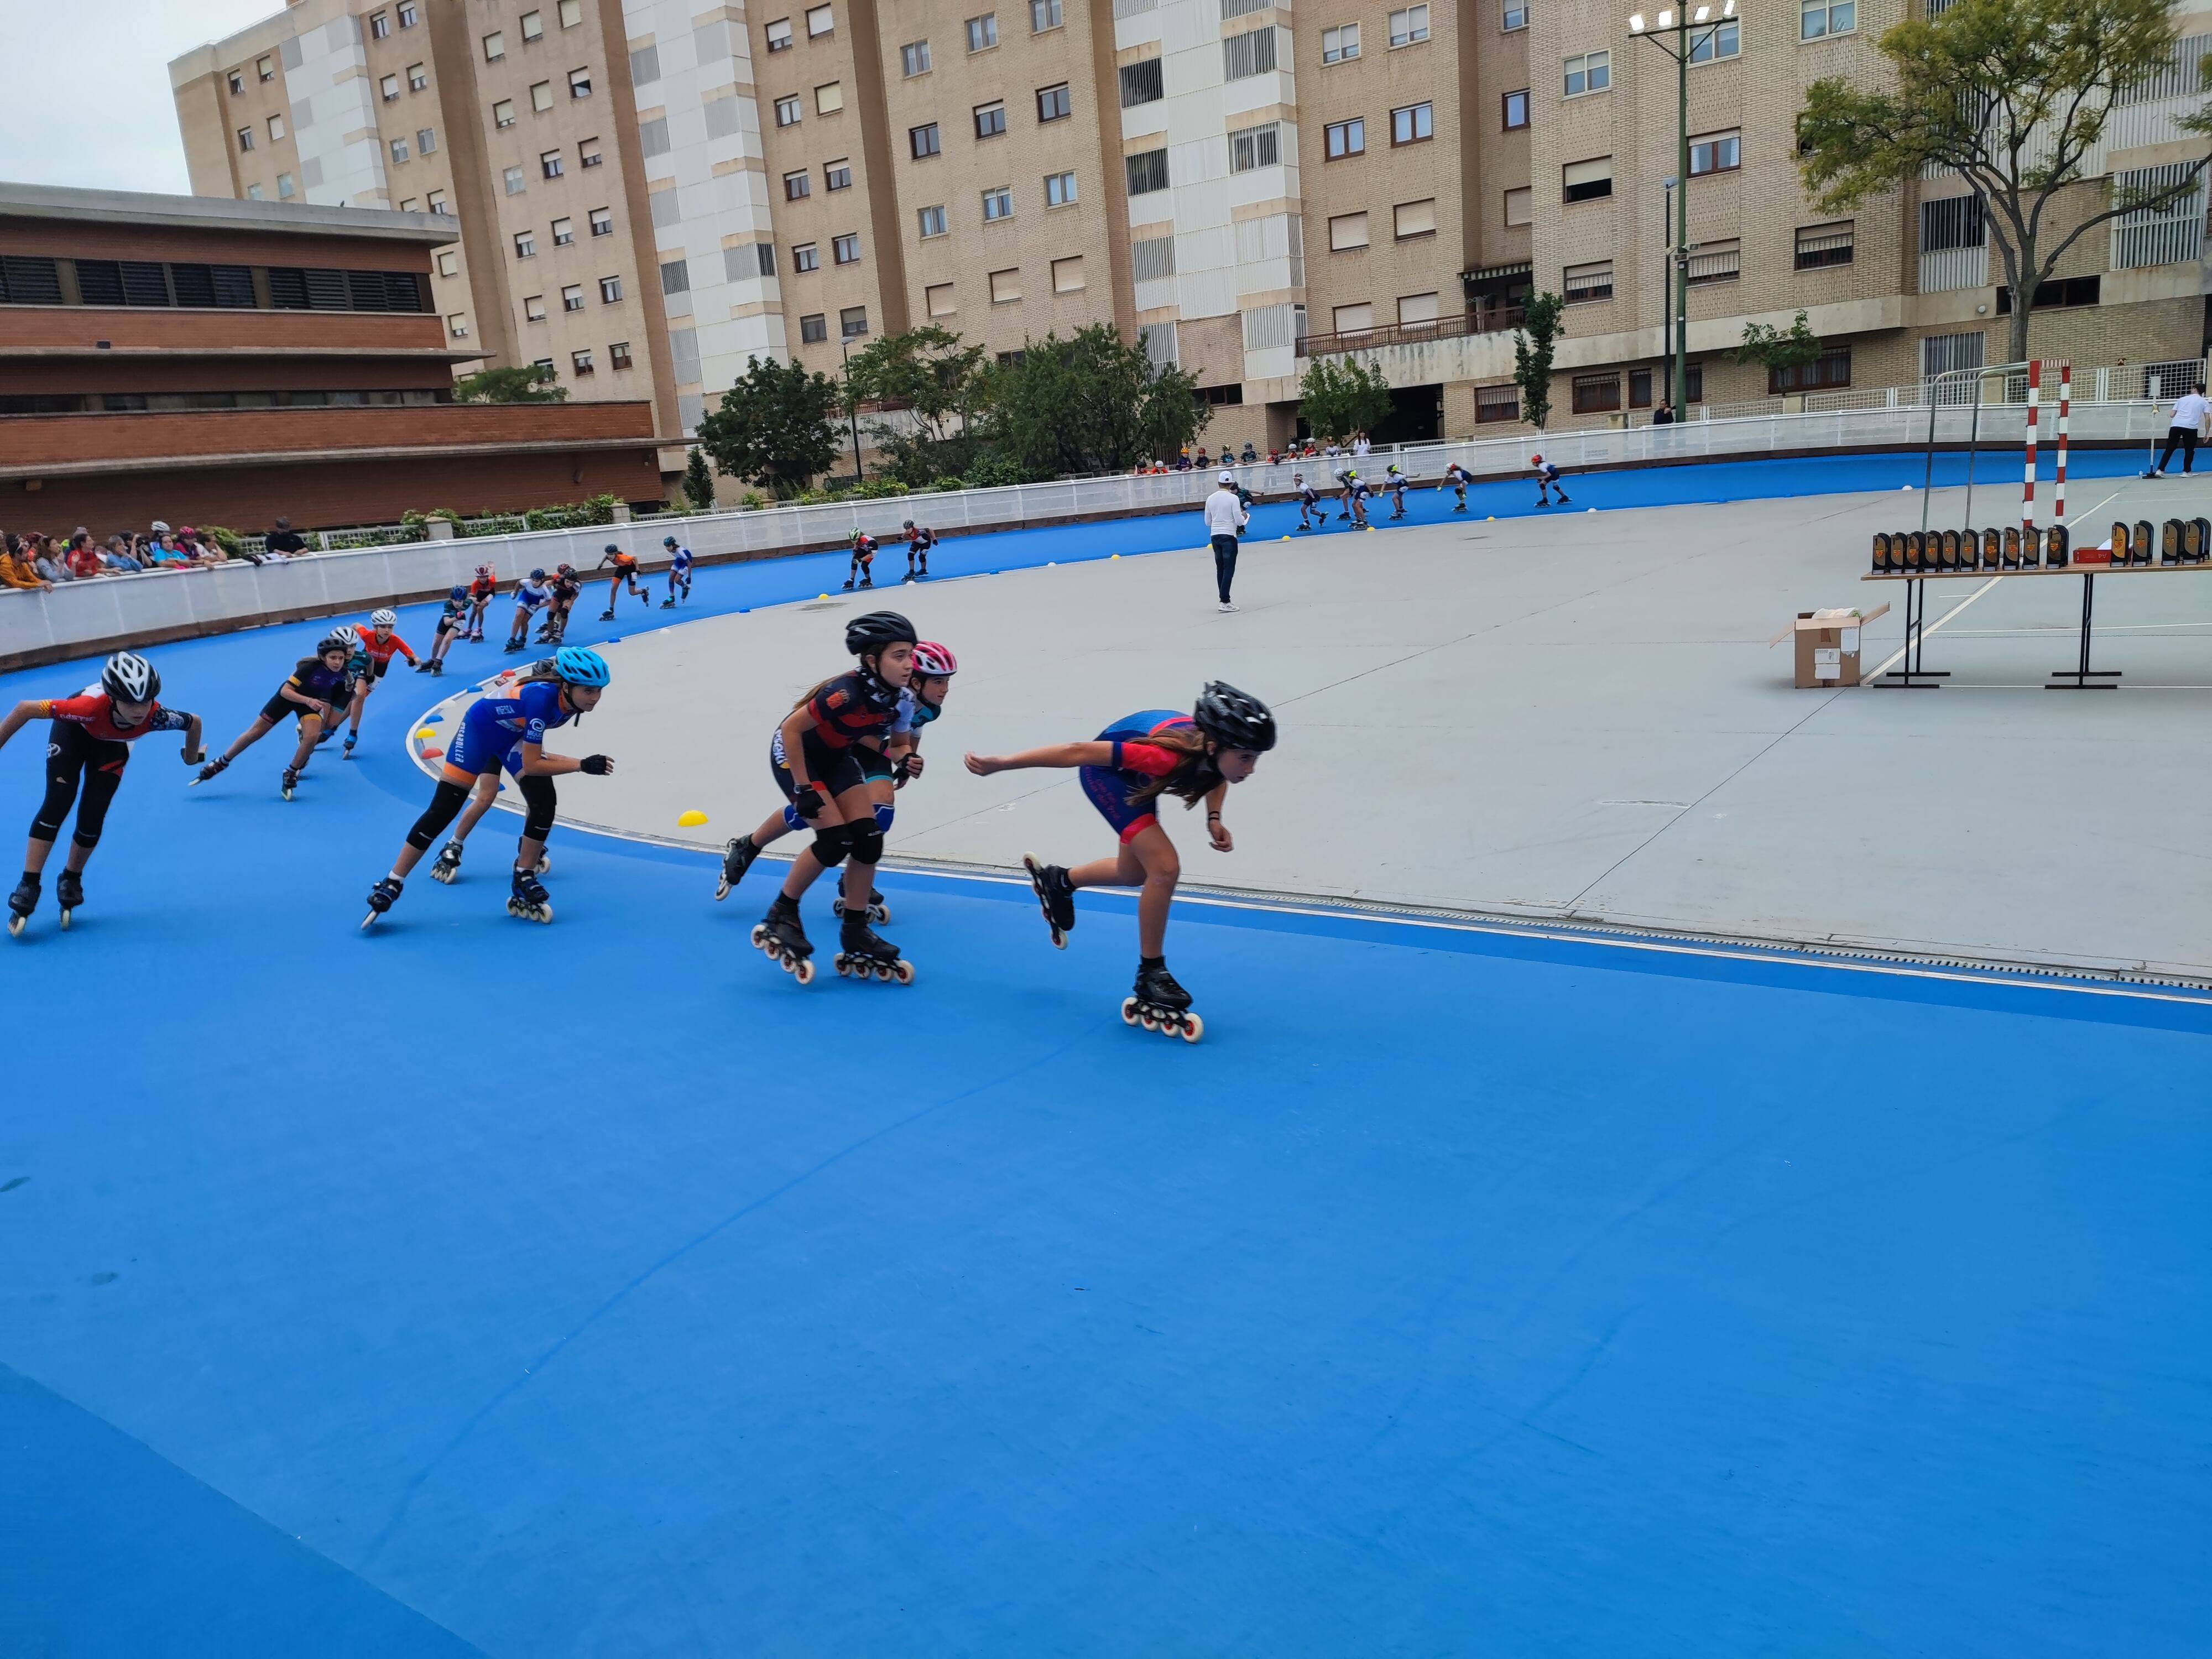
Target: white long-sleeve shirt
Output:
[(2189, 409), (1224, 513)]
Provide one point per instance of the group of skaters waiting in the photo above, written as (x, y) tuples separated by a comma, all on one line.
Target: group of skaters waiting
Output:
[(1306, 449)]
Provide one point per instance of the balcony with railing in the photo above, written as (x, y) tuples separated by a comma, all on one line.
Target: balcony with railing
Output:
[(1495, 319)]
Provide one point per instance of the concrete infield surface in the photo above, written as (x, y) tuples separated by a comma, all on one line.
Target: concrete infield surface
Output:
[(1502, 1288)]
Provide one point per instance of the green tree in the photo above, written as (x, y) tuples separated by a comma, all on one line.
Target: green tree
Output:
[(1341, 395), (699, 481), (1779, 348), (1091, 402), (526, 383), (776, 427), (926, 384), (2012, 95), (1532, 355)]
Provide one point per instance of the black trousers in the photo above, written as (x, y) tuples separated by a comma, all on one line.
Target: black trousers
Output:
[(1224, 564), (72, 753), (2185, 436)]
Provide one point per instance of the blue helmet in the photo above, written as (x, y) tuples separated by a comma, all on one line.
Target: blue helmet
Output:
[(579, 665), (459, 593)]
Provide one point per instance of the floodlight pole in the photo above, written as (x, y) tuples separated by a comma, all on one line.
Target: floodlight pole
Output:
[(1682, 25)]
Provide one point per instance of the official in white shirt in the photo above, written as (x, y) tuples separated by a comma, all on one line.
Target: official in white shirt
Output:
[(2189, 412), (1224, 518)]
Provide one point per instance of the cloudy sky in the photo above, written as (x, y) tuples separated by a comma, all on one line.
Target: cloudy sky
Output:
[(91, 83)]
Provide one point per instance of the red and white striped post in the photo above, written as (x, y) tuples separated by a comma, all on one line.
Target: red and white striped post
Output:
[(2065, 399), (2027, 489)]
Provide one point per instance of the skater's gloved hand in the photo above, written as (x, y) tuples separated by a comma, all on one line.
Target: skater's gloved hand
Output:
[(1222, 841), (808, 799), (598, 765), (910, 766)]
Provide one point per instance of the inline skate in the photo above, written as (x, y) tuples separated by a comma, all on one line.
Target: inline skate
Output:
[(861, 952), (448, 868), (779, 937), (1055, 897), (381, 898), (528, 899), (1158, 1004), (291, 780), (878, 910), (352, 738), (69, 893), (737, 857), (20, 903)]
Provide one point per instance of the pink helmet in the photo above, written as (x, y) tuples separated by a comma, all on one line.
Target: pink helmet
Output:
[(933, 659)]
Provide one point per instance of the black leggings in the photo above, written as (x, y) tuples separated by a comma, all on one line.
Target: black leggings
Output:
[(538, 799), (73, 753)]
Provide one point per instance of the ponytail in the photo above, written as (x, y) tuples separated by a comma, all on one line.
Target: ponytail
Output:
[(1196, 775)]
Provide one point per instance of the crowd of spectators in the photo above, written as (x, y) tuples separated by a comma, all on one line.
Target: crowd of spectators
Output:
[(1306, 449), (35, 560)]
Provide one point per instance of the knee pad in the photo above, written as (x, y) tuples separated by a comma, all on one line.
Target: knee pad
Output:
[(830, 845), (884, 813), (790, 818), (86, 841), (868, 845)]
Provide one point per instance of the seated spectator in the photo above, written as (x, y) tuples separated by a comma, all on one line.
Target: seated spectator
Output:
[(116, 556), (82, 557), (284, 542), (1250, 454), (197, 548), (16, 569), (163, 549), (48, 561), (1199, 460)]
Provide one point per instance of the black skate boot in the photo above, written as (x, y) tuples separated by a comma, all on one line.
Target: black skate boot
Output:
[(861, 952), (607, 615), (211, 769), (448, 868), (69, 893), (737, 857), (1158, 1004), (20, 903), (291, 780), (527, 900), (381, 898), (1055, 897), (878, 910), (778, 936)]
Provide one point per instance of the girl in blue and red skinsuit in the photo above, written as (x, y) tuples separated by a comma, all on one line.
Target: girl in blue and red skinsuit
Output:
[(89, 742), (1124, 770)]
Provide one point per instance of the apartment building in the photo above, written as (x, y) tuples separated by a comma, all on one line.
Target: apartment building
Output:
[(648, 195)]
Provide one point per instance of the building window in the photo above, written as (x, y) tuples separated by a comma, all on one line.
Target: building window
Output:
[(805, 257), (1346, 138), (253, 192), (786, 111), (1352, 318), (1716, 262), (265, 68), (1248, 54), (1067, 275), (449, 262), (1006, 286), (1409, 220), (408, 16), (611, 286), (553, 162), (389, 86), (495, 46), (526, 245), (820, 21), (541, 96), (588, 152), (1717, 152), (1054, 103), (1826, 245), (246, 138), (564, 233), (932, 220), (1059, 188), (426, 142), (418, 78), (1517, 110), (914, 58), (1520, 207), (922, 141), (580, 83), (845, 250), (983, 31), (572, 12), (1718, 40), (456, 326), (1590, 282), (1044, 15), (1412, 124), (939, 300), (837, 175), (1141, 84), (276, 128), (572, 297), (283, 187), (814, 329), (1347, 231), (797, 186), (1409, 26), (763, 258), (2053, 295), (1595, 393), (779, 35), (1586, 181), (1338, 44), (380, 25), (1516, 15), (436, 202), (603, 221), (1816, 18), (829, 98), (398, 150), (1591, 72), (990, 120), (1830, 371), (618, 355), (512, 179), (407, 205), (533, 26), (1146, 173), (998, 203), (237, 78), (580, 362), (1250, 148), (852, 322), (502, 112), (1497, 402), (533, 309), (1417, 308)]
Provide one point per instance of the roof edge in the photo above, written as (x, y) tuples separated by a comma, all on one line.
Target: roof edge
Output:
[(23, 201)]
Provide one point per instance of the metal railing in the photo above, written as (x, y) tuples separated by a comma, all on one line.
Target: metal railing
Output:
[(1495, 321)]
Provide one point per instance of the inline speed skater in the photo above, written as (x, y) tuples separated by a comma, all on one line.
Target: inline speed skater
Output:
[(531, 594), (482, 588), (864, 561), (510, 725), (820, 762), (624, 580), (378, 646), (564, 586), (1124, 770), (888, 768), (317, 688), (679, 573), (1547, 480), (1396, 483), (919, 540), (1459, 478), (88, 743), (1312, 515), (453, 624)]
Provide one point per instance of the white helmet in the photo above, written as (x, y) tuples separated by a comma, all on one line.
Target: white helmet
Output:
[(128, 677), (347, 637), (383, 618)]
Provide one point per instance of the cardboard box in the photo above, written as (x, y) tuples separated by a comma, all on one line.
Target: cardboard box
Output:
[(1828, 646)]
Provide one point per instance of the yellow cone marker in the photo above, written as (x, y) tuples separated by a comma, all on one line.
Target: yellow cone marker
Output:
[(424, 734), (691, 819), (1113, 555), (821, 596)]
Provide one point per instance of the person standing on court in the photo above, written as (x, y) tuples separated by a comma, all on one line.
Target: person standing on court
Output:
[(1226, 519), (2187, 425)]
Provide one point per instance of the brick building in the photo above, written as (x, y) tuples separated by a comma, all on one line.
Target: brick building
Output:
[(648, 192), (226, 362)]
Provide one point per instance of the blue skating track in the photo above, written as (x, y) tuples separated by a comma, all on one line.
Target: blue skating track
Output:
[(476, 1286)]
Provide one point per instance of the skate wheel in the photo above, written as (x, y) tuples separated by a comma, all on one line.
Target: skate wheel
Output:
[(879, 913), (1128, 1011), (544, 864), (16, 926), (65, 921), (903, 971), (802, 970), (843, 963), (759, 934), (721, 890), (1193, 1028)]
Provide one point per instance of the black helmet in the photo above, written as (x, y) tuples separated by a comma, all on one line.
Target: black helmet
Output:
[(876, 630), (1233, 720), (128, 677)]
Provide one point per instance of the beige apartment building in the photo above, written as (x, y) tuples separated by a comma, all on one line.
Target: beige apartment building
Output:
[(649, 193)]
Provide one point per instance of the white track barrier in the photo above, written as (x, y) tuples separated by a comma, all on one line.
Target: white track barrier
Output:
[(81, 618)]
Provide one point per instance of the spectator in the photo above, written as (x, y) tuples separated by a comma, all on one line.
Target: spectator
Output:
[(198, 549), (82, 557), (15, 569), (51, 565), (161, 549), (1199, 460), (116, 556), (1226, 519), (284, 542), (1250, 456), (1182, 460), (1359, 445)]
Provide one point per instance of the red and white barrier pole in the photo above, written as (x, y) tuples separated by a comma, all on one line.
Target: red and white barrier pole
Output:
[(2027, 489), (2065, 399)]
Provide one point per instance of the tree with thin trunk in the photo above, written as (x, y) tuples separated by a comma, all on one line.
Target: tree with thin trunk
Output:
[(2014, 96), (1341, 396), (774, 426), (1532, 355)]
